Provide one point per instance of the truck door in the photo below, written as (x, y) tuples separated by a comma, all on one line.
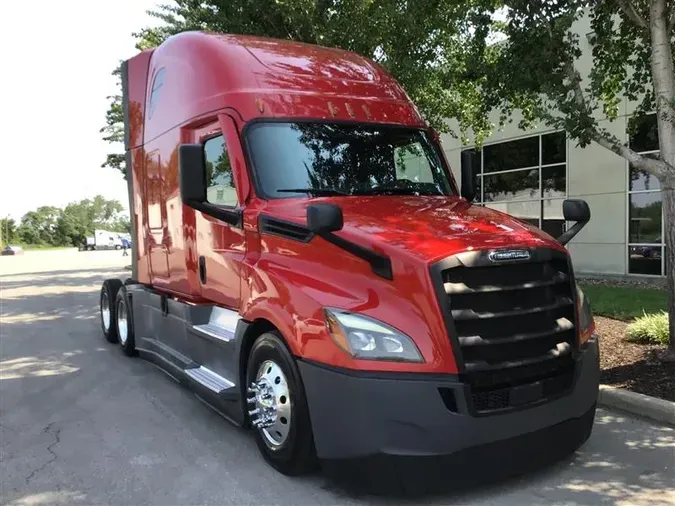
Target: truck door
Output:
[(220, 245), (220, 248)]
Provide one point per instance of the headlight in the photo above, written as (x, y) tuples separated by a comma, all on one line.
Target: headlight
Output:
[(366, 338), (586, 324)]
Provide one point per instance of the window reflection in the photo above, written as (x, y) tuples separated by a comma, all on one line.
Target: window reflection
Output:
[(220, 188), (642, 180), (516, 154), (645, 259), (533, 195), (519, 185), (645, 229), (553, 148), (645, 217), (645, 134)]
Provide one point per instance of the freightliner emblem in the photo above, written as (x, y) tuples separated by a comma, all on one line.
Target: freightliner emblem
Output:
[(509, 254)]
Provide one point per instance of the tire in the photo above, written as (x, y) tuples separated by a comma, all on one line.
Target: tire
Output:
[(124, 322), (118, 247), (295, 455), (107, 303)]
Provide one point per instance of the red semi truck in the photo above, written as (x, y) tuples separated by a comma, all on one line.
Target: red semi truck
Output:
[(304, 260)]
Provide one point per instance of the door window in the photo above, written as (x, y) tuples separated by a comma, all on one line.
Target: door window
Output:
[(220, 188)]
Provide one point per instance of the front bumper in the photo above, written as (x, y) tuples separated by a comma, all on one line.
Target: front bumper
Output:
[(369, 416)]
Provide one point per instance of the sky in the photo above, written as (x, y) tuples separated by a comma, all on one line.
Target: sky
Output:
[(57, 57)]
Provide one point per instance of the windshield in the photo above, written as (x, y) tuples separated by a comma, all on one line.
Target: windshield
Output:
[(293, 159)]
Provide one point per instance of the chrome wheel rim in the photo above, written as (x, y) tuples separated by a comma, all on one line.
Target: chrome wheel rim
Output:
[(105, 310), (122, 329), (270, 398)]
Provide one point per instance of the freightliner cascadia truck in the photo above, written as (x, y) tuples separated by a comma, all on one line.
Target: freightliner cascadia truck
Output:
[(305, 262)]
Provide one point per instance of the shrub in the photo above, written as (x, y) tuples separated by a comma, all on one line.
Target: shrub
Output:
[(649, 329)]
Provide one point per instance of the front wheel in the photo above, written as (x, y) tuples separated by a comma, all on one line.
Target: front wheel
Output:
[(278, 407)]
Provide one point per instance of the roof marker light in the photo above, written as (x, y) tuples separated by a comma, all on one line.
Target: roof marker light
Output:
[(260, 104)]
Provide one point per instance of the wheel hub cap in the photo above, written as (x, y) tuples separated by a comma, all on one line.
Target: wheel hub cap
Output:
[(105, 310), (122, 322), (270, 403)]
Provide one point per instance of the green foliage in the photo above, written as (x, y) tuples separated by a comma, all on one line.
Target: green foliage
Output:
[(39, 226), (8, 231), (435, 48), (51, 226), (649, 329)]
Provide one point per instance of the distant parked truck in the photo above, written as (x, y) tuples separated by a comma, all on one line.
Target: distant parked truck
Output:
[(103, 239)]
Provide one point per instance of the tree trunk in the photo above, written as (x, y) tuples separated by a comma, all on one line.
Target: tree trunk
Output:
[(668, 194), (663, 77)]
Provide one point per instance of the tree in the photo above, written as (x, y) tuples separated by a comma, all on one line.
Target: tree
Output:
[(633, 47), (7, 231), (430, 56), (39, 226), (49, 225), (80, 219)]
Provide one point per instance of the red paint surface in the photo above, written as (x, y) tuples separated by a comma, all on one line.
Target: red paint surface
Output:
[(217, 84)]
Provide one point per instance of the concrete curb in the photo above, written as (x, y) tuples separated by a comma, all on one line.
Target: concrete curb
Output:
[(658, 410)]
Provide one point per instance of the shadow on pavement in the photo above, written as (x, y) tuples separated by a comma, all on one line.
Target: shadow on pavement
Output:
[(60, 277)]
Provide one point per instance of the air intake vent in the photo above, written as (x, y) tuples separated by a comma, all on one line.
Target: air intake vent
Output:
[(293, 231)]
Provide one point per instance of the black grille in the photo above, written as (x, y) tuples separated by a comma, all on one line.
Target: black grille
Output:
[(515, 326)]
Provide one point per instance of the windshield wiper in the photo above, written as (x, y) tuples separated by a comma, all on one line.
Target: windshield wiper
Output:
[(328, 192), (396, 191)]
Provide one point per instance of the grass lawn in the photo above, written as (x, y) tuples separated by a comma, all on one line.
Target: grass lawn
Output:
[(40, 247), (624, 303)]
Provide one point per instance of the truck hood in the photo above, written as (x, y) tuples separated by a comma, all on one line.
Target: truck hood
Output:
[(429, 228)]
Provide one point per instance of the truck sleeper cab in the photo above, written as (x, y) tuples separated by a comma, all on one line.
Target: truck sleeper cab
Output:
[(305, 262)]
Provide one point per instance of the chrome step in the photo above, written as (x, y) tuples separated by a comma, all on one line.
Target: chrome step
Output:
[(214, 382), (221, 326), (214, 331)]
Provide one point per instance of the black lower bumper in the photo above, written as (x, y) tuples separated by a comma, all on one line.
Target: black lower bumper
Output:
[(400, 426)]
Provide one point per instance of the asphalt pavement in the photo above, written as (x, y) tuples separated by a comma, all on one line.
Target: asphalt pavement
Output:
[(80, 423)]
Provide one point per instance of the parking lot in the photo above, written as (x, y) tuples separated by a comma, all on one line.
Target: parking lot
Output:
[(82, 424)]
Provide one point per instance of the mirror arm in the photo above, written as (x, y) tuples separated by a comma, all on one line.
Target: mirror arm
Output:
[(568, 235), (233, 217)]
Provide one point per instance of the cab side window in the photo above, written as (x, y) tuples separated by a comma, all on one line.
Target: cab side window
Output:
[(157, 84), (219, 183)]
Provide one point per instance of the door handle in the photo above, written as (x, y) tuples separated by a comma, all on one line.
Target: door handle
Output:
[(202, 269)]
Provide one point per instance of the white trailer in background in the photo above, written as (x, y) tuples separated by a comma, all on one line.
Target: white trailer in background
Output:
[(103, 239)]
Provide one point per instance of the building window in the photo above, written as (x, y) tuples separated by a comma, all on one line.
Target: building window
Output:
[(526, 178), (646, 240)]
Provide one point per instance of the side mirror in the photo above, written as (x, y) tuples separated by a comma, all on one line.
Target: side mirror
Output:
[(469, 176), (192, 180), (574, 210), (324, 218), (192, 173)]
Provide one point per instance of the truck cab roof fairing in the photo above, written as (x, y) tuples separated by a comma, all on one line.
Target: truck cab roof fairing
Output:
[(208, 72)]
